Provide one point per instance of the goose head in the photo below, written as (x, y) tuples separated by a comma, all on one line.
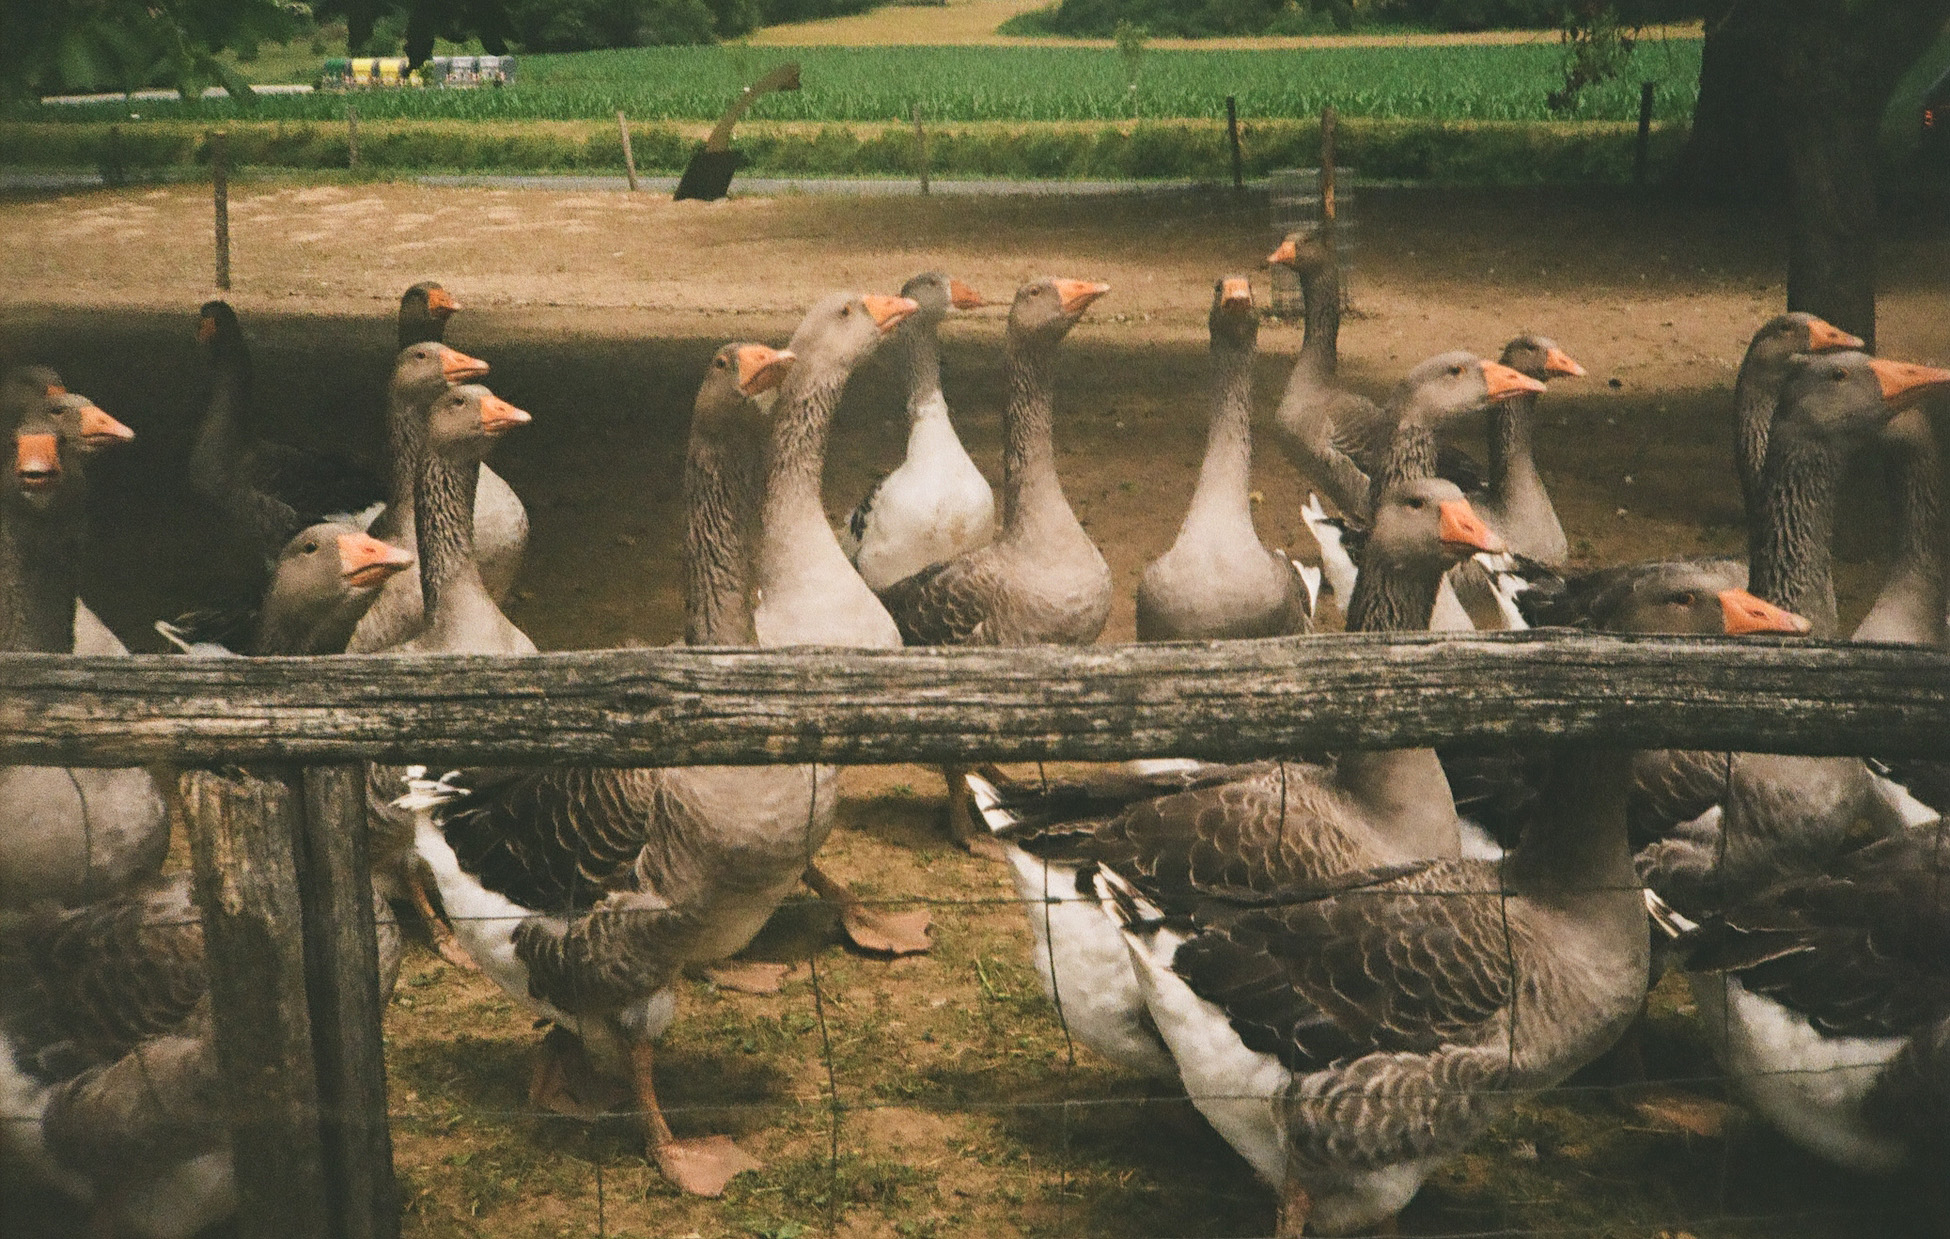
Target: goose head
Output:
[(1451, 385), (1538, 357), (424, 310), (330, 561), (45, 467), (739, 391), (1845, 397), (1044, 310), (84, 423), (1698, 597), (1305, 251), (465, 418), (425, 369), (936, 294), (219, 332), (1426, 526), (1233, 322), (1784, 335), (842, 330)]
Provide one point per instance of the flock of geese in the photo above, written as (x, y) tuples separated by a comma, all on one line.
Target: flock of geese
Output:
[(1349, 978)]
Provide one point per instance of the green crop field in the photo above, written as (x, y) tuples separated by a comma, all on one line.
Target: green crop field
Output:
[(1502, 83)]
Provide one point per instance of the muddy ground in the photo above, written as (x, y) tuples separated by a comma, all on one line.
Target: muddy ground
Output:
[(962, 1109)]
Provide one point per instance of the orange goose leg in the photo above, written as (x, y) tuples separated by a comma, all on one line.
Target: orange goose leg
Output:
[(702, 1166)]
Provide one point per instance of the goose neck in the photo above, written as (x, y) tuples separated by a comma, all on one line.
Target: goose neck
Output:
[(1223, 496), (39, 580), (1911, 605), (920, 363), (720, 499), (1754, 398), (1411, 456), (1789, 553), (406, 442), (1577, 845), (1032, 497), (1392, 598), (444, 529), (227, 418), (1320, 295), (1405, 792), (1512, 463)]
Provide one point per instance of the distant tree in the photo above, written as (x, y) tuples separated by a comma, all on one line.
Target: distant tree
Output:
[(55, 45)]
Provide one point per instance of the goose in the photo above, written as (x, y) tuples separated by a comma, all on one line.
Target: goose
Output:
[(421, 371), (1513, 500), (1337, 439), (111, 1088), (937, 504), (83, 423), (1910, 607), (1757, 386), (266, 490), (73, 833), (500, 519), (585, 891), (324, 581), (1348, 1041), (1265, 825), (1782, 813), (1042, 580), (1824, 998), (1217, 580)]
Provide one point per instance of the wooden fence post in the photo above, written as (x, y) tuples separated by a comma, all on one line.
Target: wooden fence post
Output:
[(242, 829), (1232, 136), (1642, 159), (921, 147), (629, 156), (347, 1002), (352, 137), (220, 190)]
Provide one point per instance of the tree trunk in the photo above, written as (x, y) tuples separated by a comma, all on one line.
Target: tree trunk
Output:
[(359, 16), (1735, 151)]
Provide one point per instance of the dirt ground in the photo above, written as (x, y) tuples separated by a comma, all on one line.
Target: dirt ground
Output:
[(961, 1109)]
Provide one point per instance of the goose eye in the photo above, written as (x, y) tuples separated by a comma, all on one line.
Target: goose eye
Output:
[(719, 362), (1416, 505), (311, 548), (1685, 598), (846, 310), (1454, 370), (1838, 375)]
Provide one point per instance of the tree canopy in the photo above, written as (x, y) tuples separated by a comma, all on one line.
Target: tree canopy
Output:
[(55, 45)]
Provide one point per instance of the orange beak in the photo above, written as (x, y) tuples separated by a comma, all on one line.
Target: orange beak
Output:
[(1287, 253), (206, 329), (365, 561), (1902, 381), (441, 303), (962, 297), (1078, 294), (1557, 361), (99, 430), (37, 460), (760, 369), (498, 417), (1504, 382), (458, 367), (1746, 613), (889, 312), (1236, 290), (1462, 529), (1826, 337)]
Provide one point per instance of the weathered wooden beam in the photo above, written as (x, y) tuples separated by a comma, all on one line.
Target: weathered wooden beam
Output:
[(1231, 700), (347, 1003), (242, 829)]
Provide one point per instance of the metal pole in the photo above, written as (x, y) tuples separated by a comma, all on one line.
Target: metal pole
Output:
[(1644, 156), (1232, 135), (1327, 126), (921, 147), (352, 137), (629, 156), (220, 184)]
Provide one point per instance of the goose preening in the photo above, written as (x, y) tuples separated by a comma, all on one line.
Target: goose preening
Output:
[(1824, 998), (327, 577), (80, 833), (586, 891), (936, 504), (111, 1088), (1267, 826), (1218, 580), (1042, 580), (265, 490), (1347, 1041)]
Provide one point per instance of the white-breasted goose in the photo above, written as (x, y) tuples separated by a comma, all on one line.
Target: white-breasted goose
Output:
[(936, 504)]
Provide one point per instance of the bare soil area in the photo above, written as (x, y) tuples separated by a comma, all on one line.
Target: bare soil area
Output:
[(959, 1107)]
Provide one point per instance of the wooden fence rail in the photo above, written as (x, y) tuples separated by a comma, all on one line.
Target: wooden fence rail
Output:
[(282, 876), (1234, 700)]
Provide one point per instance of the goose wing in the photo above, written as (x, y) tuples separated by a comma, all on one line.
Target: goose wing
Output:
[(946, 604), (554, 840)]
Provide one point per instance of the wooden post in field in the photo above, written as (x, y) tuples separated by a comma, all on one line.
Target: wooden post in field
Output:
[(1642, 159), (220, 191), (352, 137), (242, 830), (1328, 123), (921, 147), (347, 1004), (1232, 136), (629, 156)]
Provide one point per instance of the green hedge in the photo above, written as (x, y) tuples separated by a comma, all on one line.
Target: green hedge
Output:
[(1495, 153)]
